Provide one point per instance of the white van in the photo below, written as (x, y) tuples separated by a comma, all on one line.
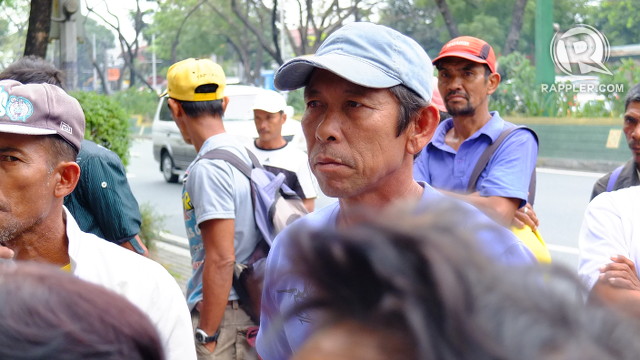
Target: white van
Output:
[(174, 155)]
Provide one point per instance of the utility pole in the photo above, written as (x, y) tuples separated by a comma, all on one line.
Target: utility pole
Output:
[(67, 15), (545, 70)]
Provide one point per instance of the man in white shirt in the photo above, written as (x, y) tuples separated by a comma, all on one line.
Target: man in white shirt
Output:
[(275, 153), (41, 129)]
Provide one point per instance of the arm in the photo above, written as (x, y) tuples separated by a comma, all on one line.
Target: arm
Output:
[(619, 285), (217, 277), (500, 209), (109, 197), (136, 245), (606, 230), (309, 204)]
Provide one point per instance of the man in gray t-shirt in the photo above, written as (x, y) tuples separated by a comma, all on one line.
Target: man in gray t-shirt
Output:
[(218, 210)]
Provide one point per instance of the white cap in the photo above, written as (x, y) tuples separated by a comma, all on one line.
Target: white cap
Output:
[(269, 101)]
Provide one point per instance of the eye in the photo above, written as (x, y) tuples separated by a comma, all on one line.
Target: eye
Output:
[(313, 104), (8, 158), (353, 104)]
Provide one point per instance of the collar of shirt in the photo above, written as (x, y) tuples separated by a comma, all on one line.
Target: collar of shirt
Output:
[(493, 128)]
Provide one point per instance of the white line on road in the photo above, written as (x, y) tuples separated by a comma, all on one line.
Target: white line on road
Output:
[(563, 249), (569, 172)]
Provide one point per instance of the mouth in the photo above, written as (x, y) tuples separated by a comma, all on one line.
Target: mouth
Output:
[(327, 163)]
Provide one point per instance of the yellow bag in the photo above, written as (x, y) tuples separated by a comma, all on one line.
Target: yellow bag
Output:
[(534, 241)]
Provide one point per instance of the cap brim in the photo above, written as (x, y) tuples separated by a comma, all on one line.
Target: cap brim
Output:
[(25, 130), (295, 73), (460, 55)]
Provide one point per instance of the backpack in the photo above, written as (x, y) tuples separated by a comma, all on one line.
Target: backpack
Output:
[(275, 206)]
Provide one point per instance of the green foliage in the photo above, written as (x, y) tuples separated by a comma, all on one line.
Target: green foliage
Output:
[(617, 19), (138, 101), (626, 73), (107, 123), (151, 226), (519, 94), (295, 98)]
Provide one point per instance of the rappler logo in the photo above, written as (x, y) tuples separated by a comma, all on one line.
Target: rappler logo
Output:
[(581, 50)]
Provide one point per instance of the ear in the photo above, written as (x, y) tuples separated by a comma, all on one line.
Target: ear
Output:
[(225, 102), (175, 107), (424, 126), (284, 117), (494, 81), (66, 177)]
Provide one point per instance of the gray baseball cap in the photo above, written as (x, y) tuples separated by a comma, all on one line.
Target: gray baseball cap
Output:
[(40, 109), (366, 54)]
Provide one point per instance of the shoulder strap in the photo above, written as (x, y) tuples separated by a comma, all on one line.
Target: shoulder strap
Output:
[(613, 178), (233, 159), (488, 153)]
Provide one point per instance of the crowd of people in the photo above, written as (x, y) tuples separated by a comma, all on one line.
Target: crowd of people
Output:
[(431, 250)]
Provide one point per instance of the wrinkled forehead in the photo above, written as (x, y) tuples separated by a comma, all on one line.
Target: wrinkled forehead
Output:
[(322, 80)]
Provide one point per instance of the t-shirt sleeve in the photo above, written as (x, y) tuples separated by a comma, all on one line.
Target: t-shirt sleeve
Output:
[(508, 173), (210, 185)]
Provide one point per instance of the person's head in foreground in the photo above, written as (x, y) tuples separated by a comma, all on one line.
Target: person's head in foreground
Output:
[(406, 286), (41, 128), (367, 91), (49, 314)]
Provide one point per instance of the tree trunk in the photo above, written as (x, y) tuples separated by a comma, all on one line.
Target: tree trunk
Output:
[(448, 19), (516, 26), (39, 26)]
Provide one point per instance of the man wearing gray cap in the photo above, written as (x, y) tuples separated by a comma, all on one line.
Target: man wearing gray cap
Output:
[(368, 90), (41, 128)]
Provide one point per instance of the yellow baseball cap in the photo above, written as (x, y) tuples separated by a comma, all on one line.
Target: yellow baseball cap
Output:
[(184, 77)]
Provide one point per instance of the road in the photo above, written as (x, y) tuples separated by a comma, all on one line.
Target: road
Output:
[(560, 203)]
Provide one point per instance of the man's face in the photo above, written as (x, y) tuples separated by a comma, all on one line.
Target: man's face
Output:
[(463, 85), (269, 125), (26, 185), (631, 130), (351, 136)]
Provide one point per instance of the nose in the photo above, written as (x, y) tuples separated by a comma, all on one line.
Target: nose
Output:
[(328, 127), (635, 134)]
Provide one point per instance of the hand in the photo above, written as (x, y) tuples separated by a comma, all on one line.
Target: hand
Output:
[(211, 346), (6, 253), (526, 216), (620, 273)]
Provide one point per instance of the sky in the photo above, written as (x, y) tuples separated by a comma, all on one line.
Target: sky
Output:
[(120, 9)]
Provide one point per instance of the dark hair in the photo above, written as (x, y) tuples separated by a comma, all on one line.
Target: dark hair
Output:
[(197, 108), (410, 106), (424, 278), (60, 150), (33, 70), (49, 314), (632, 96)]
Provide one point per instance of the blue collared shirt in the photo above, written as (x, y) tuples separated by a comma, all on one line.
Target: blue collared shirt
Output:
[(507, 174)]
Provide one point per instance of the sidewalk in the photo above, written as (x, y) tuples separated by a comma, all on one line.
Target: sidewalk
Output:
[(173, 253)]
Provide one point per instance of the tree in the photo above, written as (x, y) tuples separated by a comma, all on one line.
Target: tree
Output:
[(129, 48), (617, 19), (39, 25)]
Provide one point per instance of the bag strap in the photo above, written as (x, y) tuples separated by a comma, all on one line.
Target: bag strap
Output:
[(613, 178), (488, 153), (233, 159)]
